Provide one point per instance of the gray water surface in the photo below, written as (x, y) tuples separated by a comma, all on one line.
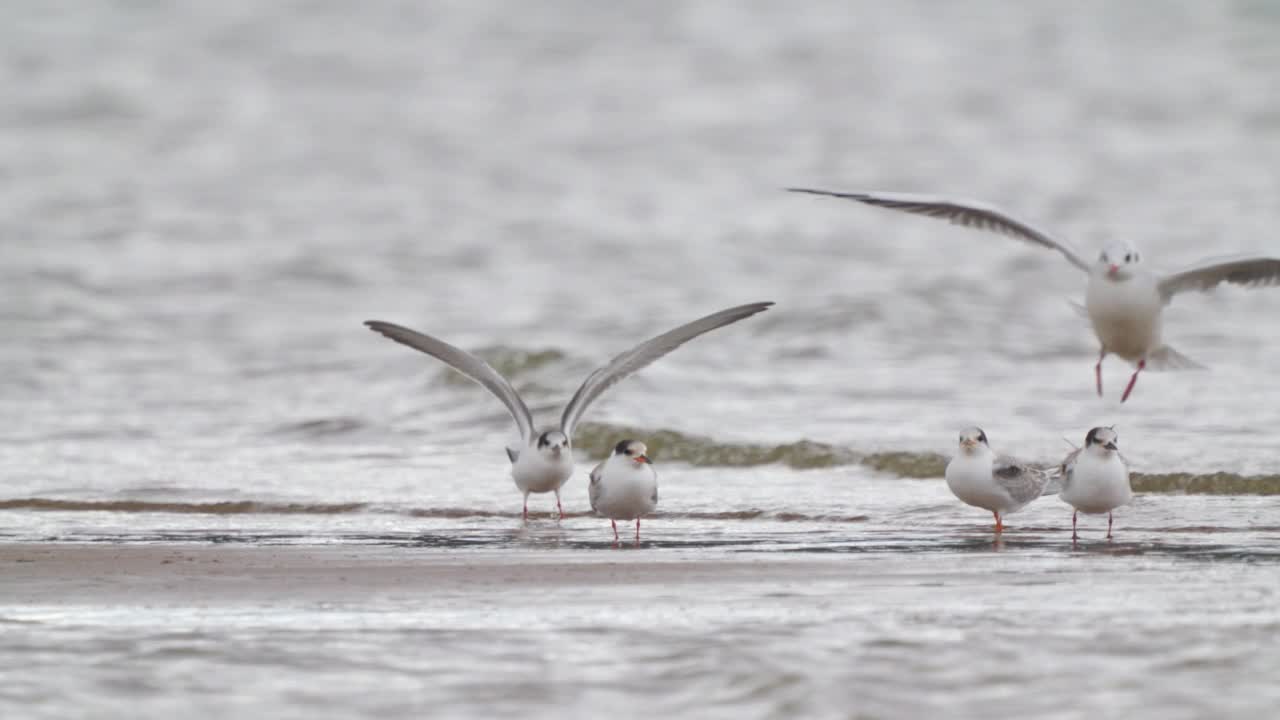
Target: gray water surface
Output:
[(203, 201)]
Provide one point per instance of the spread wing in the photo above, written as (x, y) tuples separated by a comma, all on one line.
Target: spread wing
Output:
[(643, 355), (1022, 480), (1244, 270), (467, 364), (969, 213)]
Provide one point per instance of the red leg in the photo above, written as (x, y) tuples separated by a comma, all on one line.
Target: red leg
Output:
[(1097, 371), (558, 505), (1141, 364), (615, 529), (1108, 526), (637, 529), (1074, 534), (526, 508), (999, 522)]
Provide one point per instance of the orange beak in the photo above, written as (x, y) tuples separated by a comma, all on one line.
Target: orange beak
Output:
[(641, 459)]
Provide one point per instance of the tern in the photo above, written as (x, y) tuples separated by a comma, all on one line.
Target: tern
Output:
[(1095, 478), (997, 483), (1124, 302), (544, 460), (625, 485)]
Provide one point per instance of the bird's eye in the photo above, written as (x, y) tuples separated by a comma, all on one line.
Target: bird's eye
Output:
[(1103, 257), (1128, 258)]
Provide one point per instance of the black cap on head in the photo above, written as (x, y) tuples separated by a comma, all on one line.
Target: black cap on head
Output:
[(549, 436), (621, 448), (1104, 436)]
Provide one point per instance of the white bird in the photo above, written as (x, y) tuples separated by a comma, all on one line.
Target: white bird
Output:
[(1123, 302), (625, 485), (544, 461), (1095, 478), (997, 483)]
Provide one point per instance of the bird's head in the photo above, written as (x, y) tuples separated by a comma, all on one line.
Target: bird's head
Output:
[(552, 443), (972, 440), (1118, 260), (634, 450), (1101, 440)]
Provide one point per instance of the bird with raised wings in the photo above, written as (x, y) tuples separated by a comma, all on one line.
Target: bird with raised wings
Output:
[(544, 460), (1124, 301)]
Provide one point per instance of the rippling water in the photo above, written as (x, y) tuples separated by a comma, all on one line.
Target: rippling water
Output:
[(204, 201)]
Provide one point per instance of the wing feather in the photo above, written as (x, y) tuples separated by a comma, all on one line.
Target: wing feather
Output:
[(467, 364), (1244, 270), (969, 213), (644, 354)]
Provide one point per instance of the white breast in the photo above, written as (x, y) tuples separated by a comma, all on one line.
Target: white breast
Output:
[(969, 477), (536, 473), (1126, 315), (625, 489), (1097, 484)]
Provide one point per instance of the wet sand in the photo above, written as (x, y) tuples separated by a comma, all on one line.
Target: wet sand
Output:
[(1131, 629), (79, 573)]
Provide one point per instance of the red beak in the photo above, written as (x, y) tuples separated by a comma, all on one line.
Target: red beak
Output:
[(1114, 269), (641, 459)]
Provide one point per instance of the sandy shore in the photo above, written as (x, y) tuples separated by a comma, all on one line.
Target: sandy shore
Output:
[(71, 573)]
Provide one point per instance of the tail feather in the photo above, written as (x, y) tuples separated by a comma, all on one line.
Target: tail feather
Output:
[(1166, 358), (512, 455)]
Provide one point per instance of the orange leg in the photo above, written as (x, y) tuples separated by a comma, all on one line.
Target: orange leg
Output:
[(999, 522)]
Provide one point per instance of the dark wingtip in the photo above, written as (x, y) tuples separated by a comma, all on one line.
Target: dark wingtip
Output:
[(829, 193)]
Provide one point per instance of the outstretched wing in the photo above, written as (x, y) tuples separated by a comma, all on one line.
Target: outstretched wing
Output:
[(645, 353), (1245, 270), (467, 364), (969, 213)]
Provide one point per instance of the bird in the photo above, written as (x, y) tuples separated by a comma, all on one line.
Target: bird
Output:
[(1095, 478), (1124, 301), (543, 461), (625, 485), (998, 483)]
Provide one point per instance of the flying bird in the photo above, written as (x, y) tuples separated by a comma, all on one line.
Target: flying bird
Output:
[(1124, 301)]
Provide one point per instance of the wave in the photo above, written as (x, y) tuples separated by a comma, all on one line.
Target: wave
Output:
[(597, 439)]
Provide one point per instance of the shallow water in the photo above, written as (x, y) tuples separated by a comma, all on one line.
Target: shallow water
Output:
[(205, 201)]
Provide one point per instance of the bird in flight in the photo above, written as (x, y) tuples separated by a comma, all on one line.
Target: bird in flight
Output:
[(1124, 301)]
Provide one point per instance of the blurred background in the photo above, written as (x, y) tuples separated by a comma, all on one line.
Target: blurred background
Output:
[(202, 201)]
